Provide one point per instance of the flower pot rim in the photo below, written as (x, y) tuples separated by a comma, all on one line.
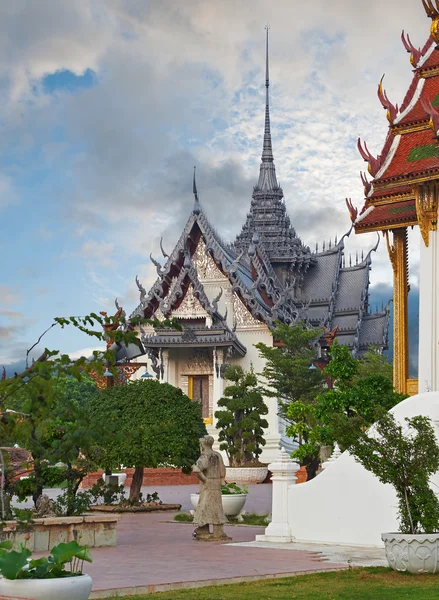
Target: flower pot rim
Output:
[(261, 466), (400, 534), (234, 495), (33, 579)]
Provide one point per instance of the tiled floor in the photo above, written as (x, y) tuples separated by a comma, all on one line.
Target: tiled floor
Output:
[(152, 551)]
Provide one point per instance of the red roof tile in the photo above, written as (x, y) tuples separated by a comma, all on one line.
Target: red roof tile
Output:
[(389, 214), (429, 92), (401, 166)]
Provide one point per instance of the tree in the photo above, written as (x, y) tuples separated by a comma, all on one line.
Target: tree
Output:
[(240, 425), (403, 456), (287, 367), (151, 424), (292, 380), (363, 399), (37, 387), (374, 363)]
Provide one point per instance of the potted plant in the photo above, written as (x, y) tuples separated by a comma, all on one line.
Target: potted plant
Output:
[(404, 456), (241, 426), (233, 499), (45, 578)]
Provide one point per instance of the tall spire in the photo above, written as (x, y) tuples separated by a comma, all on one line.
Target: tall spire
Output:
[(267, 173)]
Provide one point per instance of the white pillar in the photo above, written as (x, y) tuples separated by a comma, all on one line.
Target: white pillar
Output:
[(283, 475), (428, 370), (218, 381), (165, 359)]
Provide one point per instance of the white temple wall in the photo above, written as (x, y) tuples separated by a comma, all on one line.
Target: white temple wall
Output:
[(428, 370), (345, 504)]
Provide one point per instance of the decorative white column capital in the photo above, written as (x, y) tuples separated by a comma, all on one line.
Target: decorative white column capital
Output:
[(284, 469)]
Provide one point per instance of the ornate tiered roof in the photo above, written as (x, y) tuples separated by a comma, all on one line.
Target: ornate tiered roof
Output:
[(270, 273), (268, 217), (410, 155)]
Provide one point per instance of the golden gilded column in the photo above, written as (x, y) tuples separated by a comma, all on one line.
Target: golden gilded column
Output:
[(398, 254)]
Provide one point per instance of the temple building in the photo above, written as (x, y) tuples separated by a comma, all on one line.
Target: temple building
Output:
[(404, 193), (228, 296)]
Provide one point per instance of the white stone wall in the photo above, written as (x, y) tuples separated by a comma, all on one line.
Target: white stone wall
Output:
[(345, 504)]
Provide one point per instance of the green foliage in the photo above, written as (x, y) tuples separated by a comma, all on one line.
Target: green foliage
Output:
[(49, 424), (183, 517), (106, 493), (149, 424), (342, 367), (290, 380), (404, 457), (71, 503), (287, 371), (16, 564), (362, 392), (374, 363), (240, 425), (229, 489)]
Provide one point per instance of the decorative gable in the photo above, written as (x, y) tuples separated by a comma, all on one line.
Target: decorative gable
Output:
[(205, 265), (190, 307)]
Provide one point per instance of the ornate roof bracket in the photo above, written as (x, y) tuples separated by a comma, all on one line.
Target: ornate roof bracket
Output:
[(160, 270), (415, 52), (427, 208), (165, 255), (392, 109), (374, 163)]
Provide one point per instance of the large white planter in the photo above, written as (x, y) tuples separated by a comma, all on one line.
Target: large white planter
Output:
[(246, 475), (413, 553), (63, 588), (232, 503)]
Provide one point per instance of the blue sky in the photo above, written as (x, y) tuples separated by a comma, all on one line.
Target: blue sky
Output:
[(105, 108)]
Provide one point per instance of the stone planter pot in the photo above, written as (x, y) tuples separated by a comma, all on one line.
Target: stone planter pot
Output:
[(232, 503), (94, 531), (413, 553), (246, 475), (67, 588)]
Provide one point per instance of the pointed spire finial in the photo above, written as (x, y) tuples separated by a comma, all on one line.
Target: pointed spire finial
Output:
[(197, 207), (267, 174)]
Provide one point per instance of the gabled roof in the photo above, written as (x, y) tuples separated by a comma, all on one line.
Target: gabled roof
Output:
[(410, 154), (250, 275)]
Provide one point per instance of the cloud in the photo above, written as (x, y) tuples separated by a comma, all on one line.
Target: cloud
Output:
[(94, 252), (11, 314), (9, 295), (107, 169)]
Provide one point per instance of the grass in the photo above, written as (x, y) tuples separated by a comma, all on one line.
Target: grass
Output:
[(247, 519), (374, 583)]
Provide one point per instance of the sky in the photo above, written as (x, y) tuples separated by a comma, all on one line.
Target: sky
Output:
[(106, 106)]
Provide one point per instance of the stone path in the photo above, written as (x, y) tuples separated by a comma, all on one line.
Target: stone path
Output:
[(154, 554)]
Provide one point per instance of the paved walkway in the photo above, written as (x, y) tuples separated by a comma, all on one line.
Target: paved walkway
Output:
[(154, 554)]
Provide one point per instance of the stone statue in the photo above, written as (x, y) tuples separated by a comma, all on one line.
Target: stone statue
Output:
[(44, 507), (211, 471)]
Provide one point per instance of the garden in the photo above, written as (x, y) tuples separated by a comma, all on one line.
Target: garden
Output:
[(70, 429)]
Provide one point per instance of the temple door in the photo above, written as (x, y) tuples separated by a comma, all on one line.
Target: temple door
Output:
[(200, 392)]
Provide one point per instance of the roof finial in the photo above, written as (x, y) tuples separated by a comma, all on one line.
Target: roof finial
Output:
[(197, 207), (267, 175), (433, 12)]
